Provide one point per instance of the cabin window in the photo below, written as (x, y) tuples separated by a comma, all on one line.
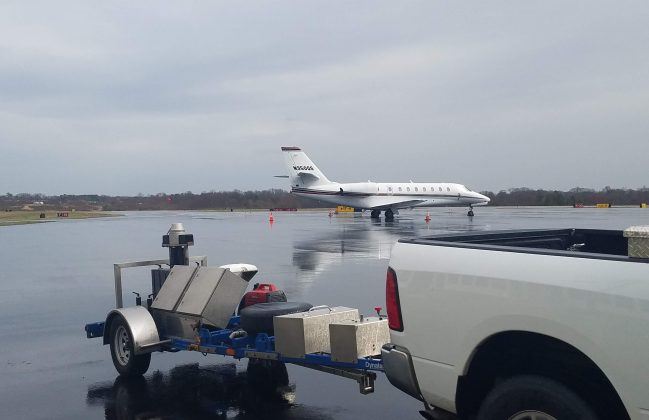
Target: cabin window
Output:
[(424, 189), (400, 189), (408, 188), (440, 188), (416, 189), (390, 189), (448, 189)]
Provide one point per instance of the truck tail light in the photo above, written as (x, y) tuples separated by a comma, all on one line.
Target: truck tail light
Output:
[(392, 301)]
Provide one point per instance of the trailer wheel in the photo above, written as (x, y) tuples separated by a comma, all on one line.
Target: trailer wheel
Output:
[(266, 375), (122, 351), (130, 397)]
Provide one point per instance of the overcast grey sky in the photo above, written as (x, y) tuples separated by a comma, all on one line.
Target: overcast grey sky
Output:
[(129, 97)]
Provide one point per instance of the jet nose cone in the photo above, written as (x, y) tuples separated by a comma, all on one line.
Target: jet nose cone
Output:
[(484, 200)]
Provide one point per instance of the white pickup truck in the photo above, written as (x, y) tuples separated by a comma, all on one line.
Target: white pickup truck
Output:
[(521, 325)]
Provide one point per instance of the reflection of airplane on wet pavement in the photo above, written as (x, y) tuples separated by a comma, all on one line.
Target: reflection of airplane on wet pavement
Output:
[(352, 239), (314, 254), (308, 181)]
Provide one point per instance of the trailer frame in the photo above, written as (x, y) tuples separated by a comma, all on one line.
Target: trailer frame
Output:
[(231, 341)]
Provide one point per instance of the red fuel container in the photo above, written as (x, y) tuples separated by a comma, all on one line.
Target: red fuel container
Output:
[(262, 293)]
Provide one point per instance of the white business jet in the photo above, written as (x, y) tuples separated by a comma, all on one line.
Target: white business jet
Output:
[(308, 181)]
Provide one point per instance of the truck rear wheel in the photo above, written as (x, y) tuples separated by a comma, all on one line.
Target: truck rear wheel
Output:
[(122, 350), (530, 397)]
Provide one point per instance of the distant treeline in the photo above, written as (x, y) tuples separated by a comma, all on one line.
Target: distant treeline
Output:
[(276, 198), (585, 196), (221, 200)]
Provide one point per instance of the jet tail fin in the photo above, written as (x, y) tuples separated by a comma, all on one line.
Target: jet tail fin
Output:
[(302, 171)]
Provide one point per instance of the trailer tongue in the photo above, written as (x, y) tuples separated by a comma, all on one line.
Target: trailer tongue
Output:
[(191, 308)]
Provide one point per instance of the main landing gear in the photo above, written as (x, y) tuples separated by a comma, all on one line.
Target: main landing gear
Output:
[(389, 215), (470, 213)]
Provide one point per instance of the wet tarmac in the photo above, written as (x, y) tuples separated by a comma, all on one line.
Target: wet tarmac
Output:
[(56, 277)]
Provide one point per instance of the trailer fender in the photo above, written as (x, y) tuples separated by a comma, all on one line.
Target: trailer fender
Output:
[(141, 325)]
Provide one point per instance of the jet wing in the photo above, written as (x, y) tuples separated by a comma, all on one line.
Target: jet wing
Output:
[(396, 204)]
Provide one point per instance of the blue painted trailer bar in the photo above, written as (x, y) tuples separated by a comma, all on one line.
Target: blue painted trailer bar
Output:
[(260, 346), (96, 329)]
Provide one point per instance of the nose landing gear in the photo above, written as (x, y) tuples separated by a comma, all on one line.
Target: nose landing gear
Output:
[(470, 213), (389, 215)]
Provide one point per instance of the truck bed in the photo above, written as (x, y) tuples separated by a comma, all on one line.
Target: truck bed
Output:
[(580, 243)]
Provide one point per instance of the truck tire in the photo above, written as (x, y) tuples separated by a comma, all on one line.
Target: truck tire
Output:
[(531, 397), (122, 350), (258, 318)]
